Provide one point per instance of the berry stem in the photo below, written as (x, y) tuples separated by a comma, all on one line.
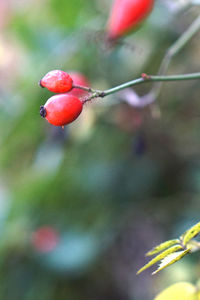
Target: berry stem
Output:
[(144, 78), (84, 88)]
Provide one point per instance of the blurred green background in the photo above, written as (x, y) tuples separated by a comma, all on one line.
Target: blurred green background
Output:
[(80, 207)]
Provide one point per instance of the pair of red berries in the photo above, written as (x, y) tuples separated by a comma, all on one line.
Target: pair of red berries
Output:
[(126, 15), (62, 109)]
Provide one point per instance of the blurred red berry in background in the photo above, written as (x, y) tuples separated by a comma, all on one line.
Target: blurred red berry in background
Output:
[(45, 239), (78, 79), (126, 15)]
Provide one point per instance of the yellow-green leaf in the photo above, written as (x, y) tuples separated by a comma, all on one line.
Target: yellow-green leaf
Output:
[(163, 246), (160, 257), (191, 233), (179, 291), (198, 296), (193, 246), (171, 259)]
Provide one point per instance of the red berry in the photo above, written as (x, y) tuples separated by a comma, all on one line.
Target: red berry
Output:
[(61, 109), (45, 239), (78, 79), (126, 15), (57, 81)]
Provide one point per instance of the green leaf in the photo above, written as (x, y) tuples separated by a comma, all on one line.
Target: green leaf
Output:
[(160, 257), (170, 259), (190, 233), (162, 247)]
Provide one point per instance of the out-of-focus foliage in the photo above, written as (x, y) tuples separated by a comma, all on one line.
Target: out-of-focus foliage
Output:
[(179, 291), (112, 184)]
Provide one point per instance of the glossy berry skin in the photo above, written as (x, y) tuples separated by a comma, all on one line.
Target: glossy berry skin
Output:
[(126, 15), (57, 81), (61, 109), (78, 79)]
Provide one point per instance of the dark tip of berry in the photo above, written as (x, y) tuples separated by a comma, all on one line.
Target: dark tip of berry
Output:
[(43, 111), (40, 84)]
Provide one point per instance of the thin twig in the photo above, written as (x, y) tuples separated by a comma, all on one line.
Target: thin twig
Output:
[(87, 89), (143, 79), (173, 50)]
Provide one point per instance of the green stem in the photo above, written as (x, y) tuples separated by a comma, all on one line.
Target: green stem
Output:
[(150, 78), (84, 88), (143, 79), (173, 50)]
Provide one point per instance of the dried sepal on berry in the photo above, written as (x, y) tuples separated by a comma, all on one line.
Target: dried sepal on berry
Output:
[(61, 109)]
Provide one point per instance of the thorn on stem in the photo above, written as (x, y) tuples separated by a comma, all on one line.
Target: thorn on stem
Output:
[(145, 76)]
